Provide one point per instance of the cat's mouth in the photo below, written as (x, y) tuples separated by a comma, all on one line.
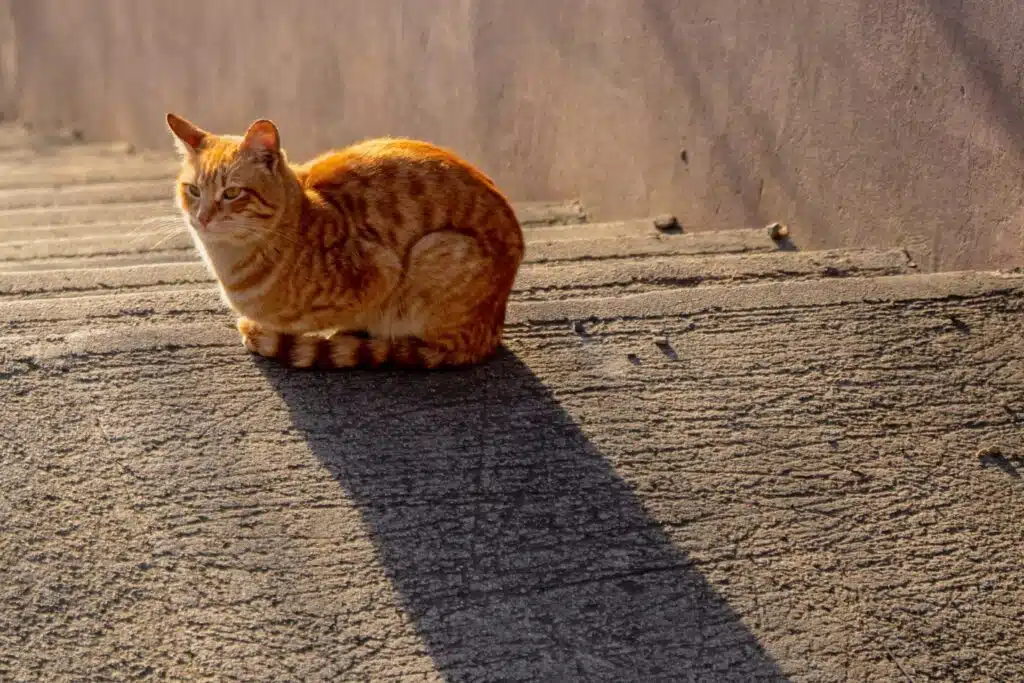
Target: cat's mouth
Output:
[(212, 231), (222, 233)]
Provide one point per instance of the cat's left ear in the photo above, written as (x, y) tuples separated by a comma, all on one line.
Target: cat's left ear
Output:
[(188, 136), (263, 139)]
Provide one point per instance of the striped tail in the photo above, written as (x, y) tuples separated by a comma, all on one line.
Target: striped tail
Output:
[(350, 351)]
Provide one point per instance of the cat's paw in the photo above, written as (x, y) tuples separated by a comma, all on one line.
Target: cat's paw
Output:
[(256, 339)]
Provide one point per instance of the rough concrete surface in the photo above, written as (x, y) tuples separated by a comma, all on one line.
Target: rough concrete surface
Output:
[(859, 122), (750, 463)]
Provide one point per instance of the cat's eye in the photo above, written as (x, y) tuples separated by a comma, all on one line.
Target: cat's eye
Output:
[(192, 190), (232, 193)]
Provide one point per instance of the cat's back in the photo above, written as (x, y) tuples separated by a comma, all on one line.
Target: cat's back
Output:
[(382, 163), (399, 190)]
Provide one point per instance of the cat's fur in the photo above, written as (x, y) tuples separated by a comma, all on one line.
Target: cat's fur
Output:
[(389, 252)]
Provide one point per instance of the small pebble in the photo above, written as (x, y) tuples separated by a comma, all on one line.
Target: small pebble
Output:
[(778, 231), (667, 223), (990, 452)]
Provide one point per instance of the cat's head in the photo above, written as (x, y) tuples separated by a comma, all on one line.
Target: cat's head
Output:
[(231, 188)]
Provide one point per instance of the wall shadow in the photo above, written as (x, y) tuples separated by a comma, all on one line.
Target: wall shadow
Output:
[(1002, 98), (517, 551)]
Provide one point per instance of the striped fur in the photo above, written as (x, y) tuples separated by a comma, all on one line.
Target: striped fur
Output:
[(388, 253)]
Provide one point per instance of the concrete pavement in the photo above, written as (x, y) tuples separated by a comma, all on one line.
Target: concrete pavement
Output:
[(700, 458)]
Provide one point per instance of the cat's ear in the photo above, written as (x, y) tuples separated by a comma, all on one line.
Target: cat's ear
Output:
[(187, 135), (263, 139)]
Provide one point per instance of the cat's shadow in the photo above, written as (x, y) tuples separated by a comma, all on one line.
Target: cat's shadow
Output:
[(513, 545)]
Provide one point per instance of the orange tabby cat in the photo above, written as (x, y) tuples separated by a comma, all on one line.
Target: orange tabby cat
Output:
[(388, 252)]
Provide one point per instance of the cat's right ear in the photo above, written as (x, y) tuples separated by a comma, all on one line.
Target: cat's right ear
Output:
[(188, 136)]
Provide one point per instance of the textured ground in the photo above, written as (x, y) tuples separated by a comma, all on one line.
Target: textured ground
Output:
[(701, 458)]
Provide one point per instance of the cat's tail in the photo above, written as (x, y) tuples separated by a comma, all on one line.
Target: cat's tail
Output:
[(352, 351)]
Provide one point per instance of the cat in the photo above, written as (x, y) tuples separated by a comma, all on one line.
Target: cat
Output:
[(390, 252)]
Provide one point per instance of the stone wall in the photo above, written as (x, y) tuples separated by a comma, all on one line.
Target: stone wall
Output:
[(859, 122)]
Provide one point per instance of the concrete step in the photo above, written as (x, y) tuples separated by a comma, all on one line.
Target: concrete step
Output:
[(624, 275), (547, 222), (61, 195), (16, 138), (92, 230), (550, 244), (63, 173), (130, 309), (113, 212), (659, 470), (136, 212), (531, 214), (79, 153)]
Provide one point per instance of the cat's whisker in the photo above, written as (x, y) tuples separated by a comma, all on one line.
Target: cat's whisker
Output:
[(169, 219), (164, 240), (160, 229), (160, 225), (138, 238)]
